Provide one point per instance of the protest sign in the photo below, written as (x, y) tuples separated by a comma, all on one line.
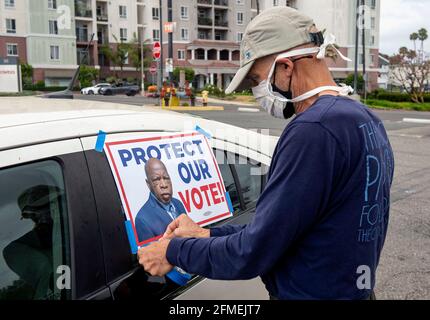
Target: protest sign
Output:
[(161, 177)]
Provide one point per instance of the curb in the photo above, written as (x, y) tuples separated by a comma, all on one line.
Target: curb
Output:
[(209, 108)]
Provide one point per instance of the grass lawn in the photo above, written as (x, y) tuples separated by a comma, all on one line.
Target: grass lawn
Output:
[(382, 104)]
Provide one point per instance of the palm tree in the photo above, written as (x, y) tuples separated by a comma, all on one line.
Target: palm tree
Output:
[(414, 37), (422, 36)]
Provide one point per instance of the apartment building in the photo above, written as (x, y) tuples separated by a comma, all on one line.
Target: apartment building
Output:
[(30, 30), (206, 36)]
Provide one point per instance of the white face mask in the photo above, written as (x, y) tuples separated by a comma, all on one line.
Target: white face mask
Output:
[(275, 103)]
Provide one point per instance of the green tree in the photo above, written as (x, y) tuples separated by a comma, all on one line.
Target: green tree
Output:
[(117, 55), (27, 74), (86, 75), (350, 81), (422, 36), (135, 54), (411, 73), (414, 37), (189, 74)]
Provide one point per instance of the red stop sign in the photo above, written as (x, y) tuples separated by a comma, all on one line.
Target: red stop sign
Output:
[(156, 50)]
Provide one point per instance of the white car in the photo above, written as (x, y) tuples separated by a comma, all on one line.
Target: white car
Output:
[(95, 89), (50, 172)]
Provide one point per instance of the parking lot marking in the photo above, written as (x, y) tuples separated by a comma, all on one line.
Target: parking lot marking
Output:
[(248, 110), (413, 120)]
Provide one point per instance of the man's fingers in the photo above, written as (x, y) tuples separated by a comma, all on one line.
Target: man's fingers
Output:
[(170, 229)]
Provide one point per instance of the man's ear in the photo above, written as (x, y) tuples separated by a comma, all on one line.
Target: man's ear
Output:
[(288, 66), (148, 184)]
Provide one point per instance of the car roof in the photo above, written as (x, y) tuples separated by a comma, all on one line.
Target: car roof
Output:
[(34, 120)]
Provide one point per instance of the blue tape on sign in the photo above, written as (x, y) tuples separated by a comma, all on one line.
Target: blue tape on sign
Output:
[(101, 138), (130, 235), (179, 276), (203, 132), (230, 205)]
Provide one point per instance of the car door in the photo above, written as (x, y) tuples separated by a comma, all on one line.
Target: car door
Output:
[(49, 236), (126, 279)]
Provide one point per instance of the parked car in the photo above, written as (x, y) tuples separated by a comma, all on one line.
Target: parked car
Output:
[(60, 207), (94, 89), (121, 88)]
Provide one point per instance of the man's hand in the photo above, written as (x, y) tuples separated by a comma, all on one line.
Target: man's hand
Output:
[(184, 227), (153, 258)]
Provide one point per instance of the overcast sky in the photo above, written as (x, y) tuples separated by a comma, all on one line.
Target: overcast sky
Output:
[(399, 18)]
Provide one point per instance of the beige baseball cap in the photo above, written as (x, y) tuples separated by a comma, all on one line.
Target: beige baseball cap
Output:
[(273, 31)]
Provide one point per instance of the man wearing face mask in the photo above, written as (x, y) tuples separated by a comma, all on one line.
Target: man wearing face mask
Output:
[(321, 221)]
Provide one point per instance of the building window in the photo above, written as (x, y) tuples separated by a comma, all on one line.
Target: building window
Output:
[(184, 34), (123, 11), (12, 49), (123, 34), (9, 3), (372, 59), (10, 25), (52, 4), (184, 13), (156, 34), (239, 37), (53, 27), (240, 2), (55, 53), (373, 22), (239, 17), (181, 54), (275, 3), (373, 4), (373, 40), (155, 13)]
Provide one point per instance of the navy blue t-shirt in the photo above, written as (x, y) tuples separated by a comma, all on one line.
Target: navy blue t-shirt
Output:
[(321, 221)]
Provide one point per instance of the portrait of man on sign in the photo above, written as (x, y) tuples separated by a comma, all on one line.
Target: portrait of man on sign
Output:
[(161, 208)]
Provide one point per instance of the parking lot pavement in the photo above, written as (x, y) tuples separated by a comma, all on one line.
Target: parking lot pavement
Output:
[(404, 271)]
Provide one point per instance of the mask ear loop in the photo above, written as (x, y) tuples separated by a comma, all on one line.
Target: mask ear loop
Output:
[(291, 78)]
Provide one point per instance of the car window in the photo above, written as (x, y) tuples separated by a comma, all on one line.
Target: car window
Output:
[(33, 231), (250, 177), (227, 175)]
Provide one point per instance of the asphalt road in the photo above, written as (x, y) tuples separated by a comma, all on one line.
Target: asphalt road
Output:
[(404, 270)]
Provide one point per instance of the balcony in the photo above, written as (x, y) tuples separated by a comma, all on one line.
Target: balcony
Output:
[(221, 23), (102, 18), (102, 40), (203, 21), (81, 35), (83, 9), (204, 34), (204, 2), (223, 3)]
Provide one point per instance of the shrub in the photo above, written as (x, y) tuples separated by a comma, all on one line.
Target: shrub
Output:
[(87, 75), (214, 91), (40, 85), (381, 94), (111, 80)]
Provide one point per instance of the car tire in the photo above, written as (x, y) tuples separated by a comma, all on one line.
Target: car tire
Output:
[(91, 92), (131, 93)]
